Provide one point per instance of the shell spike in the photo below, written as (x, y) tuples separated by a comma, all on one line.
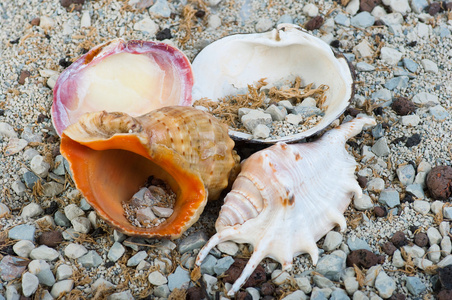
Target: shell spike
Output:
[(356, 190), (255, 259), (350, 129), (337, 218), (313, 251), (216, 239)]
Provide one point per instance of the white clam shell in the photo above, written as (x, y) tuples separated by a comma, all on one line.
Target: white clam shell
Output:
[(289, 196), (229, 65)]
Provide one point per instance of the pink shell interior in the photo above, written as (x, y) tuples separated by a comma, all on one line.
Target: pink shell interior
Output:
[(134, 77)]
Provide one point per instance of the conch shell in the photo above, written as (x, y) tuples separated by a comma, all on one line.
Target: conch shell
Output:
[(112, 154), (287, 197), (227, 66)]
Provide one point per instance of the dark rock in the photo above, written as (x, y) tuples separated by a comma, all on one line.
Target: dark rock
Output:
[(368, 5), (41, 118), (403, 106), (200, 13), (53, 207), (352, 111), (380, 211), (401, 139), (12, 267), (378, 111), (24, 74), (35, 21), (445, 277), (68, 3), (448, 6), (268, 297), (362, 181), (109, 264), (413, 140), (99, 231), (314, 23), (50, 238), (30, 179), (163, 34), (56, 151), (397, 297), (362, 258), (434, 8), (236, 269), (242, 295), (439, 182), (421, 239), (436, 284), (388, 248), (196, 293), (65, 62), (399, 239), (267, 289), (413, 228), (335, 44), (445, 295), (408, 198)]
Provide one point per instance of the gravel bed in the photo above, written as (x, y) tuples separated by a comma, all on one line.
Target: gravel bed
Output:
[(397, 244)]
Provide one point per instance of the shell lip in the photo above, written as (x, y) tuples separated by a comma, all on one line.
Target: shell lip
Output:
[(281, 36), (99, 193), (67, 81)]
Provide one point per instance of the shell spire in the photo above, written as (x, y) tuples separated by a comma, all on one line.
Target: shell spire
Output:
[(287, 197)]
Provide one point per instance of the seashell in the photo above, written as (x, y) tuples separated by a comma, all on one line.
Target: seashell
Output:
[(111, 155), (227, 66), (149, 75), (287, 197)]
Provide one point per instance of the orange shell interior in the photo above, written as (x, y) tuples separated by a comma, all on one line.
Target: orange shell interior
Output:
[(110, 171)]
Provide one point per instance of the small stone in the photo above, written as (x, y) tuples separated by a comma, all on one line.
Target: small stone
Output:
[(355, 243), (214, 21), (193, 241), (31, 210), (50, 238), (23, 248), (331, 266), (411, 120), (156, 278), (257, 277), (310, 10), (229, 248), (389, 197), (399, 239), (125, 295), (434, 236), (41, 269), (264, 24), (422, 207), (390, 56), (304, 284), (376, 185), (45, 253), (22, 232), (255, 117), (163, 291), (39, 166), (342, 19), (439, 113), (406, 174), (364, 202), (284, 103), (278, 113), (162, 212), (4, 210), (102, 283), (18, 187), (72, 211), (179, 279), (415, 285), (446, 245), (81, 224), (362, 20), (434, 253), (15, 146), (137, 258), (414, 251), (425, 98), (447, 212), (30, 179), (364, 67), (60, 287), (397, 259), (332, 241), (160, 9), (10, 267), (439, 182), (402, 106), (223, 264), (91, 259), (146, 25), (385, 285), (293, 119), (362, 258), (397, 83), (364, 49), (381, 148), (429, 66), (30, 284), (52, 189), (7, 130), (315, 23), (63, 272), (261, 132), (116, 251), (322, 282), (280, 277), (75, 251)]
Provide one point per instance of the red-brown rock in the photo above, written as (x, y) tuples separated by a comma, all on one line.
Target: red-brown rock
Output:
[(403, 106), (50, 238), (445, 277), (439, 182), (368, 5), (236, 269), (267, 289), (362, 258), (399, 239), (314, 23), (388, 248), (421, 239), (24, 74), (445, 295)]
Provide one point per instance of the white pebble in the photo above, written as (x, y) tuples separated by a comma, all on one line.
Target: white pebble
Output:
[(75, 251), (23, 248), (31, 210)]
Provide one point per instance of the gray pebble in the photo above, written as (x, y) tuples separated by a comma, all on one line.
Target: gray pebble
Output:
[(389, 197), (416, 189), (414, 285), (378, 131), (207, 266), (61, 219), (390, 56), (342, 19), (406, 174), (18, 187), (382, 94), (434, 253), (84, 205), (137, 258), (425, 98), (414, 251), (63, 272), (364, 67), (445, 261), (358, 295), (286, 104), (411, 120), (45, 253), (264, 24), (261, 132), (156, 278), (7, 130), (355, 243), (362, 20), (381, 148), (39, 166), (161, 291), (385, 285), (418, 6), (278, 113), (397, 83), (397, 259), (447, 212), (331, 266), (160, 9), (30, 153), (179, 279), (293, 119), (210, 282), (322, 282), (351, 285), (81, 224), (116, 251), (320, 294), (30, 284), (332, 241), (376, 185), (410, 65), (434, 236), (229, 248), (303, 283), (307, 111), (14, 146), (223, 264), (30, 179), (52, 189), (75, 251), (297, 295), (285, 19), (91, 259), (422, 207), (126, 295), (193, 241), (41, 269), (364, 202), (439, 113), (280, 277), (444, 228), (255, 117), (72, 211), (31, 210), (23, 248), (339, 294), (429, 66), (22, 232)]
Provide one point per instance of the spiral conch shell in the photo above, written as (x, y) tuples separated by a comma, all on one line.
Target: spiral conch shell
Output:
[(112, 154), (287, 197)]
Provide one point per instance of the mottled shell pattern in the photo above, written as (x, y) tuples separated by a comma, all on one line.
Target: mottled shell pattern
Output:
[(112, 154), (287, 197)]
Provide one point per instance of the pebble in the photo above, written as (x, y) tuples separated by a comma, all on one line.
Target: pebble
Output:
[(10, 268), (91, 259), (193, 241), (297, 295), (208, 265), (223, 264), (389, 197), (23, 248), (362, 20), (22, 232), (339, 294), (376, 185), (414, 251), (418, 6), (63, 272), (303, 283), (81, 224), (137, 258), (406, 174), (45, 253), (422, 207), (179, 279), (75, 251), (61, 219), (280, 277), (382, 94), (439, 113), (30, 284), (160, 9), (287, 19), (162, 212), (125, 295), (434, 236), (294, 119), (30, 179), (447, 261), (411, 120), (385, 285), (355, 243), (39, 166), (31, 210), (351, 285), (447, 212), (446, 245), (162, 291), (4, 210), (342, 19), (229, 248), (364, 67), (18, 187), (72, 211), (15, 146), (331, 266), (390, 56), (116, 251), (146, 25), (425, 98), (322, 282), (156, 278), (213, 21), (278, 113), (310, 10), (444, 228), (434, 253), (101, 282), (42, 270), (11, 293), (263, 25), (397, 83), (261, 132), (332, 241), (255, 117), (364, 202), (381, 148), (429, 66), (211, 281), (7, 130), (397, 259), (364, 50)]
